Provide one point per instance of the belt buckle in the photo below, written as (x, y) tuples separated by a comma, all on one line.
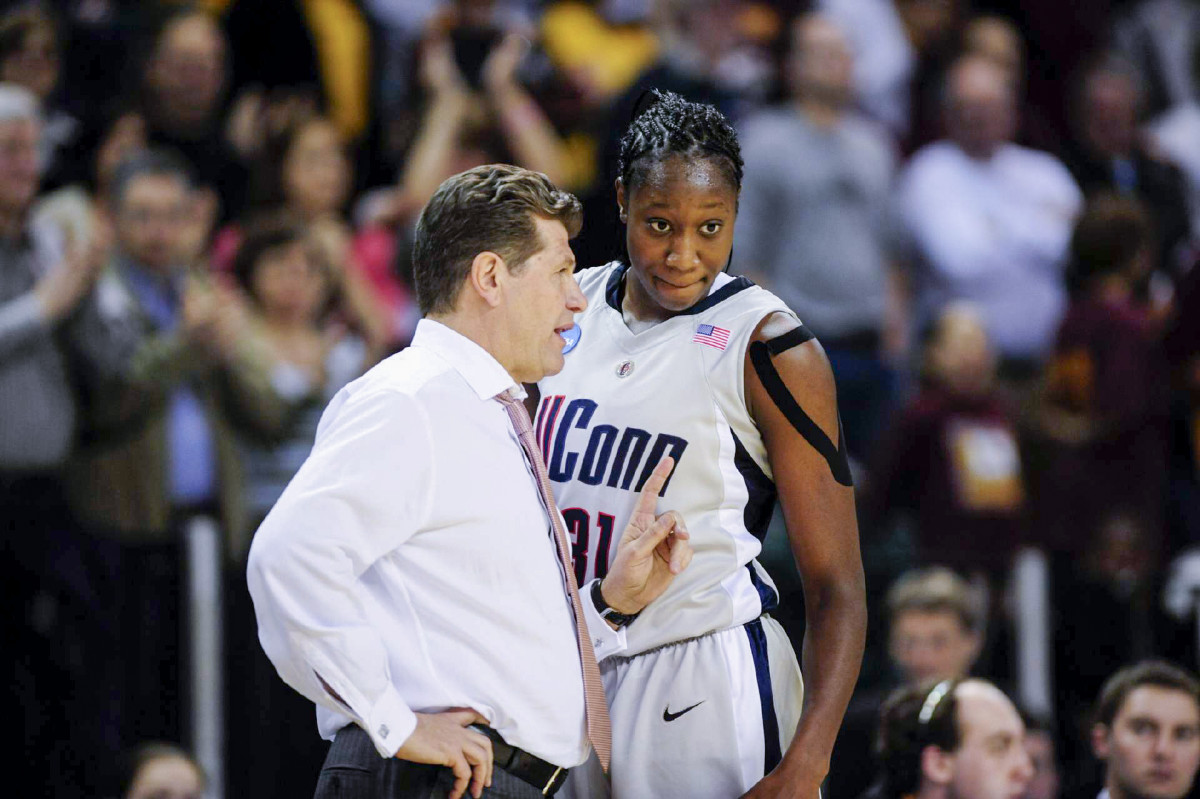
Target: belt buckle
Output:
[(553, 783)]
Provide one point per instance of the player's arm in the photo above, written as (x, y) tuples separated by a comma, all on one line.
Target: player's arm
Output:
[(791, 395)]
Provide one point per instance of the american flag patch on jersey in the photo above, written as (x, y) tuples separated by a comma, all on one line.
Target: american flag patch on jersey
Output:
[(712, 336)]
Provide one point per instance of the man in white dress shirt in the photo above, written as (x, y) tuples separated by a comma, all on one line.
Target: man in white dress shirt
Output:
[(1147, 732), (408, 580), (989, 221)]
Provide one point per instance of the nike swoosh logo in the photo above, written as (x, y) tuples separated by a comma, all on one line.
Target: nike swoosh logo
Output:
[(669, 716)]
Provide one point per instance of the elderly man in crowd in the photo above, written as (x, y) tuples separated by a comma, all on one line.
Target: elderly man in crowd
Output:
[(988, 220), (44, 282)]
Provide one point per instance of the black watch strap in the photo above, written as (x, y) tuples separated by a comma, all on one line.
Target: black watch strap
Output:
[(607, 613)]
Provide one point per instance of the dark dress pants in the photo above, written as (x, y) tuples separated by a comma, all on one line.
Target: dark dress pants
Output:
[(354, 770)]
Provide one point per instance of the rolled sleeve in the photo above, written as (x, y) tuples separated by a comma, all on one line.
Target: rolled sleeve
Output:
[(605, 640), (362, 493)]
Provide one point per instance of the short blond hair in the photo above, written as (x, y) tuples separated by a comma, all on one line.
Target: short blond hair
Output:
[(936, 590)]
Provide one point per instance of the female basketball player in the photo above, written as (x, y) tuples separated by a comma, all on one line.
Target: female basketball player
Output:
[(675, 357)]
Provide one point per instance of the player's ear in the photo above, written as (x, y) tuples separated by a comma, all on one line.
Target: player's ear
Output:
[(622, 207), (937, 765), (486, 277)]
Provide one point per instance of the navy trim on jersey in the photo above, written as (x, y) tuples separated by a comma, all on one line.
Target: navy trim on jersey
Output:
[(614, 292), (766, 595), (760, 491), (766, 695), (839, 464)]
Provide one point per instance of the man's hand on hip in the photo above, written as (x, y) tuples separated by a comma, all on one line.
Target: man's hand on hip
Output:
[(446, 739), (652, 550)]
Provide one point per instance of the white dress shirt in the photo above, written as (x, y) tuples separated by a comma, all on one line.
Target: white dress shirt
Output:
[(409, 563), (993, 231)]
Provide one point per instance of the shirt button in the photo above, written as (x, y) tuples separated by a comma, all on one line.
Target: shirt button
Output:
[(383, 731)]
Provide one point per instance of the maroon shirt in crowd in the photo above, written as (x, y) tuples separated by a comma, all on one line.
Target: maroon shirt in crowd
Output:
[(952, 461)]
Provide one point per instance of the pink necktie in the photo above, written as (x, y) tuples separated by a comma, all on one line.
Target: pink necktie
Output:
[(598, 726)]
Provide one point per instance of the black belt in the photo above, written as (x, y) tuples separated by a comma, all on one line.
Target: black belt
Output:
[(546, 777)]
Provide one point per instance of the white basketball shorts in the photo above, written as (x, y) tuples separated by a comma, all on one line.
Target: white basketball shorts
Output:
[(706, 718)]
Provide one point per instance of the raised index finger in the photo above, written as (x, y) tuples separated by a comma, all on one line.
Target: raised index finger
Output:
[(648, 500)]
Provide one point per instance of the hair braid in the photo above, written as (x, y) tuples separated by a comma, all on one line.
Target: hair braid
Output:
[(668, 125)]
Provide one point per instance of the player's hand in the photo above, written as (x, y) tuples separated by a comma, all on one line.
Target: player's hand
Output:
[(652, 550), (778, 785), (446, 739)]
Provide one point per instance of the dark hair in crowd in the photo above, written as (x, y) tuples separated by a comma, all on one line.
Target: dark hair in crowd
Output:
[(147, 163), (1108, 236), (272, 232), (1156, 673), (666, 124), (486, 209), (17, 25), (912, 718)]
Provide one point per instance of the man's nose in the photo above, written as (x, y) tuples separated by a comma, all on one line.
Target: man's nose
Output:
[(575, 299)]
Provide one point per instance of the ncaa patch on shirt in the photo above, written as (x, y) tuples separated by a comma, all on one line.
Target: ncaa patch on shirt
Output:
[(572, 338)]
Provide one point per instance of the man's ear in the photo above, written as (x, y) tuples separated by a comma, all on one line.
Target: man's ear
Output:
[(622, 208), (1100, 741), (486, 277), (937, 765)]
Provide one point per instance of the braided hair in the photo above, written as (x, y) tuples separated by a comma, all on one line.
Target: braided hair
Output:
[(664, 124)]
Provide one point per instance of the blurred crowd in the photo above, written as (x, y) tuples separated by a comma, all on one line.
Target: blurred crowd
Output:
[(988, 211)]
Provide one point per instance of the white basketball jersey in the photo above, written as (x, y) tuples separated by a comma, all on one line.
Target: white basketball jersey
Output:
[(622, 403)]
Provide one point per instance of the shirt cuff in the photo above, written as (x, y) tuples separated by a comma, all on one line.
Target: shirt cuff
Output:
[(390, 723), (605, 640)]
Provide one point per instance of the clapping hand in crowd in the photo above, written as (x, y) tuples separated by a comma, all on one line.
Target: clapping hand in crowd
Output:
[(64, 286), (215, 317)]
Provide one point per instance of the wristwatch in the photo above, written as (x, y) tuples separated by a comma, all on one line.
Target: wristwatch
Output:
[(606, 612)]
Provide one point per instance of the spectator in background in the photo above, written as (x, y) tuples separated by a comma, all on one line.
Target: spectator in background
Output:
[(1175, 133), (812, 224), (951, 461), (989, 220), (952, 740), (183, 88), (164, 771), (935, 632), (305, 175), (1160, 38), (170, 378), (1147, 732), (1109, 154), (999, 40), (901, 48), (1043, 754), (44, 285), (292, 289), (29, 57), (464, 127), (1106, 389), (935, 625)]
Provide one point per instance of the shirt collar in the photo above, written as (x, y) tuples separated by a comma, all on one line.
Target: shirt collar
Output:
[(478, 367)]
